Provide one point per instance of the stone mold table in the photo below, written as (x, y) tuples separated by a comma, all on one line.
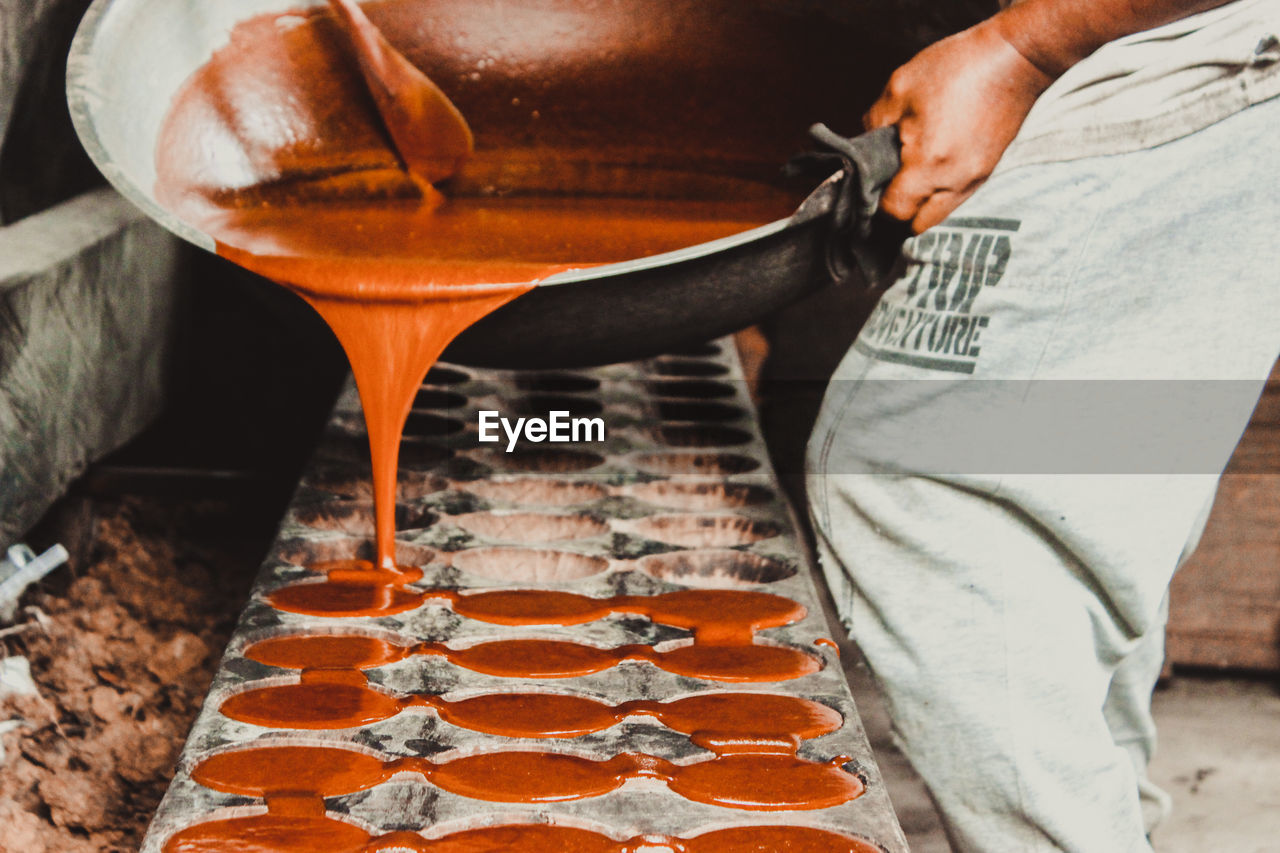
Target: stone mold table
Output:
[(679, 496)]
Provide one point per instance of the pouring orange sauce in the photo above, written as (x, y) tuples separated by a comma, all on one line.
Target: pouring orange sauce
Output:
[(301, 147), (310, 150)]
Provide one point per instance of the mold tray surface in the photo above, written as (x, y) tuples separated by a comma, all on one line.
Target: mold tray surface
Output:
[(679, 496)]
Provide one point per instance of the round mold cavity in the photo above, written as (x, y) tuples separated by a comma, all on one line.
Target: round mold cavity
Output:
[(529, 526), (427, 425), (715, 568), (528, 565), (680, 494), (445, 376), (410, 485), (537, 492), (542, 404), (356, 518), (556, 383), (432, 398), (303, 552), (415, 452), (688, 367), (702, 436), (704, 531), (418, 453), (718, 464), (686, 411), (698, 350), (550, 460), (336, 447), (691, 389)]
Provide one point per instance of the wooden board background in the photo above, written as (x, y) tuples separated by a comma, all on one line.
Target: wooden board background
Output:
[(1225, 602)]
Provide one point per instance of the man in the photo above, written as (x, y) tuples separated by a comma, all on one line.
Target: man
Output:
[(1004, 477)]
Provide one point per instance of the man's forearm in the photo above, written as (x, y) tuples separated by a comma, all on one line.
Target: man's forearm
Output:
[(1054, 35), (960, 102)]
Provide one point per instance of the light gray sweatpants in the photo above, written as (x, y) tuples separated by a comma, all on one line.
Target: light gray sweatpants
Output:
[(1019, 450)]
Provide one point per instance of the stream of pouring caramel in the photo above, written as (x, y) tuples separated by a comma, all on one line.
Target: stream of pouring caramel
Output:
[(310, 150), (302, 148)]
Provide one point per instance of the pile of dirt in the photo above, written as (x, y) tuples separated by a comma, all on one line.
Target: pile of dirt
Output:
[(122, 656)]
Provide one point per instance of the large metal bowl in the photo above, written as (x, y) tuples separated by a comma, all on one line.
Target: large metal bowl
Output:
[(692, 98)]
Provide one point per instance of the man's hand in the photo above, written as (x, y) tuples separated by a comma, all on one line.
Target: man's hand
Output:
[(957, 105)]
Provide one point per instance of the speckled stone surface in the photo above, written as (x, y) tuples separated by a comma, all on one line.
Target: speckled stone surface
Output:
[(681, 443)]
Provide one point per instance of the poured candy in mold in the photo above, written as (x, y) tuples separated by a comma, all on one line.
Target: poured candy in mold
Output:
[(352, 589), (716, 617), (761, 782), (315, 704), (539, 658), (283, 833), (726, 617), (724, 722)]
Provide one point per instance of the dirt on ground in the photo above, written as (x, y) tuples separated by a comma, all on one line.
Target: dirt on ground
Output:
[(121, 650)]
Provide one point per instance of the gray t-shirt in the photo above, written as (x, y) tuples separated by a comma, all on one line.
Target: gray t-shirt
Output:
[(1155, 86)]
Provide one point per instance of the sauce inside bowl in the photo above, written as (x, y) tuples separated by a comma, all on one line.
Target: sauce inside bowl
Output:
[(278, 150)]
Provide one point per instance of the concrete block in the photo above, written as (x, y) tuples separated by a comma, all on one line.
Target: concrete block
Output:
[(88, 293)]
